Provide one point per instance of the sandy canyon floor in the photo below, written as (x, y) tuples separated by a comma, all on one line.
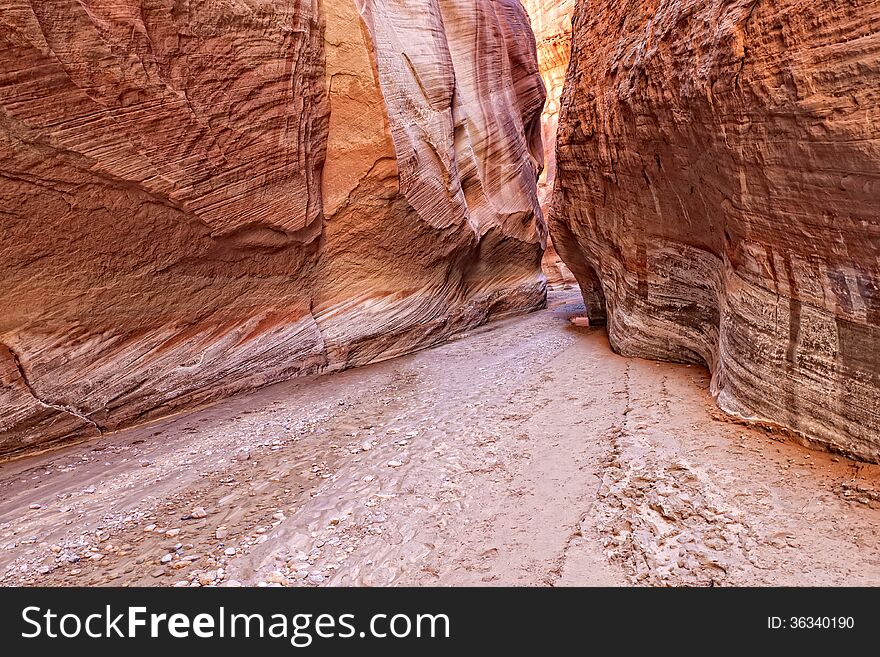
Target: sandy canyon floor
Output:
[(524, 453)]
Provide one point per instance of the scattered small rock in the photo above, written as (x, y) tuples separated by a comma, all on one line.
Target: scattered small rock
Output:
[(277, 577)]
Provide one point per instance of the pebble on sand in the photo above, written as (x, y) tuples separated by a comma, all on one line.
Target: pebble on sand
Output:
[(229, 552), (277, 577)]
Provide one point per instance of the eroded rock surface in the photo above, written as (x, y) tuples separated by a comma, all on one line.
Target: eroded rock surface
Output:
[(206, 197), (717, 196)]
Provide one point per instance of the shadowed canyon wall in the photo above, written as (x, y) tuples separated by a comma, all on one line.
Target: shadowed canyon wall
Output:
[(202, 197), (718, 198)]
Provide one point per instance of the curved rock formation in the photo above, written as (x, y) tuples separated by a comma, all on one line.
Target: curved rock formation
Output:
[(198, 198), (718, 195)]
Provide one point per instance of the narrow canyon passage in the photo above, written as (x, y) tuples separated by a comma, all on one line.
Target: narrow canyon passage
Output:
[(521, 453)]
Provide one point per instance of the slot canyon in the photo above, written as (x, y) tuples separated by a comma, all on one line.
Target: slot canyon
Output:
[(457, 292)]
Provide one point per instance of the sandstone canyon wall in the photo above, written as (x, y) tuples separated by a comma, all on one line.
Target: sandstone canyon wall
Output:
[(718, 197), (207, 196), (551, 23)]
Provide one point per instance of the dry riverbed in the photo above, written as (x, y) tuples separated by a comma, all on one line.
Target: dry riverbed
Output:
[(524, 453)]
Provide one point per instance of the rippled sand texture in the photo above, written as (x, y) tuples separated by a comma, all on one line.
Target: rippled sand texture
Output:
[(717, 196), (205, 197)]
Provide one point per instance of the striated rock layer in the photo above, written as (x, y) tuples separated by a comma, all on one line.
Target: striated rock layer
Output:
[(718, 197), (551, 23), (203, 197)]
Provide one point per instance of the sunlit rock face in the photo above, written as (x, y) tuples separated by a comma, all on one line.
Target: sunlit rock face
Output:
[(551, 22), (718, 197), (204, 197)]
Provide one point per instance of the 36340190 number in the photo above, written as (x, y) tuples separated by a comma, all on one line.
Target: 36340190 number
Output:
[(811, 622)]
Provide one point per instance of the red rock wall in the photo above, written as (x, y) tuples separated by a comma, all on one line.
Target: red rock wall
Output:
[(718, 196), (202, 197)]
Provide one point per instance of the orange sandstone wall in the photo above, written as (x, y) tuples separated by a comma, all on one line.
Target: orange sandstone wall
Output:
[(551, 22), (200, 198), (718, 198)]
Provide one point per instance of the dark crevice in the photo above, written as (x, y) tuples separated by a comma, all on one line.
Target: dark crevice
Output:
[(58, 407)]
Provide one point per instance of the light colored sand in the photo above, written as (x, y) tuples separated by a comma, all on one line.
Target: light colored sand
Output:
[(526, 453)]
